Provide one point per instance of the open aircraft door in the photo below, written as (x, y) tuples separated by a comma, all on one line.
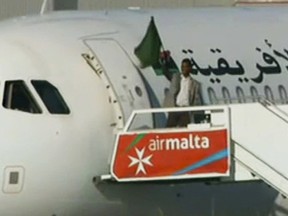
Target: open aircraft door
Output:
[(122, 79)]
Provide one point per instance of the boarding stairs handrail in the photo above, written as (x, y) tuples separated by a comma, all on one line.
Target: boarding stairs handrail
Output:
[(274, 109), (206, 109), (268, 104), (257, 162)]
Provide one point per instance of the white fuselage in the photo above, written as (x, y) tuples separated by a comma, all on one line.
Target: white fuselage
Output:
[(60, 155)]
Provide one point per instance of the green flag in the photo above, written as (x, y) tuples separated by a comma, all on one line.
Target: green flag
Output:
[(148, 51)]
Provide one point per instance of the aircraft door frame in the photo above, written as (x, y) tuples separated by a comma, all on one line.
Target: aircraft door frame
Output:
[(113, 65)]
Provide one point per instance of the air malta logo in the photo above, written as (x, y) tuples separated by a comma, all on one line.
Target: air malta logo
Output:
[(140, 161), (153, 156)]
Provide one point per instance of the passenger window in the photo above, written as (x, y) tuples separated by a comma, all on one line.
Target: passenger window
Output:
[(283, 94), (51, 97), (18, 97), (269, 93), (212, 96), (240, 95), (254, 94), (226, 95)]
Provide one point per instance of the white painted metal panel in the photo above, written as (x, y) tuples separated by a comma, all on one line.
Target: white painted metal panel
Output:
[(261, 136), (122, 76)]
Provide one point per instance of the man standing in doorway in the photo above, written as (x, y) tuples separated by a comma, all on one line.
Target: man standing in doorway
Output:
[(184, 91)]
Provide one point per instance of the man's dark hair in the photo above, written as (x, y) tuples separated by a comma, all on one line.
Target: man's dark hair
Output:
[(186, 60)]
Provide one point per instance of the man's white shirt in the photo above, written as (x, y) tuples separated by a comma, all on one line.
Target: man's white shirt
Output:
[(182, 98)]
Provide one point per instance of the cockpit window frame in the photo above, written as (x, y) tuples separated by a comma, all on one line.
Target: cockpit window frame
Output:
[(24, 90), (59, 105)]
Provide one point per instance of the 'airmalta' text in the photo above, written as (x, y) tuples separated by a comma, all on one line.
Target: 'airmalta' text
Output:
[(184, 143)]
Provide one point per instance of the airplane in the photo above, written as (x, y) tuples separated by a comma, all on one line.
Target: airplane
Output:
[(70, 80)]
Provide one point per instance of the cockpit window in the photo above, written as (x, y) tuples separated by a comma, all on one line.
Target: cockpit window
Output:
[(51, 97), (18, 97)]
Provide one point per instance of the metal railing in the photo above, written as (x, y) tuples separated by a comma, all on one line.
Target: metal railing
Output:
[(206, 110), (272, 107), (256, 172)]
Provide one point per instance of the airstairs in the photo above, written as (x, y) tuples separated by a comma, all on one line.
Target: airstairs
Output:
[(259, 135), (230, 143)]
